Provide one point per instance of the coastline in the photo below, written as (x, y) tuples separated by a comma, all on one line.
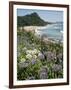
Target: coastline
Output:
[(34, 27), (31, 28), (35, 30)]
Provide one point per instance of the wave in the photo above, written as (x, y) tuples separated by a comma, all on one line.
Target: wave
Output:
[(61, 32)]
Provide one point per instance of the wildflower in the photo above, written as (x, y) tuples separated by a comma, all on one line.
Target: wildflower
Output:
[(18, 54), (43, 73), (28, 51), (34, 51), (41, 56), (24, 49), (23, 59), (28, 56), (24, 64), (31, 78), (50, 55), (56, 67), (33, 61), (34, 56)]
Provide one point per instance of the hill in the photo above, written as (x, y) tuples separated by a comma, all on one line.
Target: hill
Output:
[(32, 19)]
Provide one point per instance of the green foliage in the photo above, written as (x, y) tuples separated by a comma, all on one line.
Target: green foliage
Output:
[(28, 41), (32, 19)]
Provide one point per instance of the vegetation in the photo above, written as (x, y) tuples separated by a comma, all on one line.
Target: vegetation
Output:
[(37, 59), (31, 19)]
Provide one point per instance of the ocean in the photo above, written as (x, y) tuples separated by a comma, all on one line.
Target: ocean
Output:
[(53, 31)]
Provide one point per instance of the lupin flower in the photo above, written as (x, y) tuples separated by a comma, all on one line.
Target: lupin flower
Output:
[(50, 55), (33, 61), (56, 67), (60, 56), (41, 56), (43, 73)]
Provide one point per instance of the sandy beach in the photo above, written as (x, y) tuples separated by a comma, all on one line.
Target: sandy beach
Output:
[(35, 30), (32, 28)]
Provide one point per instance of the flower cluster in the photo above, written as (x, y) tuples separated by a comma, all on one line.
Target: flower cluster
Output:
[(56, 67), (24, 64), (37, 59), (43, 73)]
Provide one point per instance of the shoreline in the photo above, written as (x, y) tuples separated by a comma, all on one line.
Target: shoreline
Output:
[(34, 29), (28, 28)]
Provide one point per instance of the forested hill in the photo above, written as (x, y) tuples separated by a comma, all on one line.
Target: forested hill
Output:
[(32, 19)]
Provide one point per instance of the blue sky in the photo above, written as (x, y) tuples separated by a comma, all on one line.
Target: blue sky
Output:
[(47, 15)]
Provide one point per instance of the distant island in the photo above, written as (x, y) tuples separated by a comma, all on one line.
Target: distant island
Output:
[(32, 19)]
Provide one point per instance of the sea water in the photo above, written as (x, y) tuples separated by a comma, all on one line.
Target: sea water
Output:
[(53, 31)]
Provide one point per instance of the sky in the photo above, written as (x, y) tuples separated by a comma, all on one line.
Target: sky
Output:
[(47, 15)]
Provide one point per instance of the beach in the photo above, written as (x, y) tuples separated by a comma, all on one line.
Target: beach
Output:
[(51, 32)]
